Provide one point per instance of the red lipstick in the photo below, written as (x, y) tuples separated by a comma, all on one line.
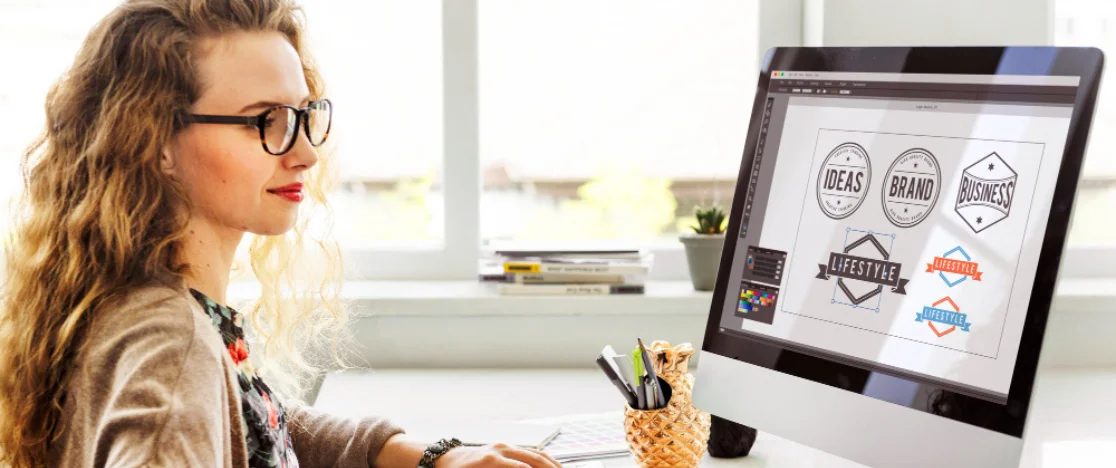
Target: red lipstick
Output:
[(291, 192)]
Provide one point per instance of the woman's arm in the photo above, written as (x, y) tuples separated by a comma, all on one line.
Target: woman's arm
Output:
[(400, 452), (324, 440)]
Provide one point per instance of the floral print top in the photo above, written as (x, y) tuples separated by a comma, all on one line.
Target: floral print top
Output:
[(268, 442)]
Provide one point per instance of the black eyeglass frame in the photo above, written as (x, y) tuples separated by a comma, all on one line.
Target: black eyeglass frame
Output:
[(302, 119)]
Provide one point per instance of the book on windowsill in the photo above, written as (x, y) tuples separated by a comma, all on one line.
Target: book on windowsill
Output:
[(578, 266), (572, 278), (497, 275), (571, 254), (572, 249), (555, 267), (514, 289)]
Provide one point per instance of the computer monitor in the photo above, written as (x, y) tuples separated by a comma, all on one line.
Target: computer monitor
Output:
[(893, 246)]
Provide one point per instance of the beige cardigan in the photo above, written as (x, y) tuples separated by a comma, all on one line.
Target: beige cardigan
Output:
[(156, 387)]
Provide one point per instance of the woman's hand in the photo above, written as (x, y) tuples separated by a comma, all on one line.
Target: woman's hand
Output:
[(495, 456)]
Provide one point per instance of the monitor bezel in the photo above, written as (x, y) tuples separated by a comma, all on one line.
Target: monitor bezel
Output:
[(1085, 63)]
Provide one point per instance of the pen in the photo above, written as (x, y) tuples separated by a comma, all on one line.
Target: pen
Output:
[(637, 378), (654, 381), (645, 389)]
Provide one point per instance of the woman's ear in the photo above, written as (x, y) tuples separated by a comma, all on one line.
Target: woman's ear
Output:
[(166, 160)]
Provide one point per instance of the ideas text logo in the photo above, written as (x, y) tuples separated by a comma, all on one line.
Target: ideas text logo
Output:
[(843, 180)]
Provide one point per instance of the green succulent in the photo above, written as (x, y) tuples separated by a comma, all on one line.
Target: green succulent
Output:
[(711, 221)]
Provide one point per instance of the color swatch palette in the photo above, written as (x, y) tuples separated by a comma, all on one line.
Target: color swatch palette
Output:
[(750, 299), (757, 302)]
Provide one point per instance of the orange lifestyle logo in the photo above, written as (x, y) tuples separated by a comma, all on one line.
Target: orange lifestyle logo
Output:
[(957, 264)]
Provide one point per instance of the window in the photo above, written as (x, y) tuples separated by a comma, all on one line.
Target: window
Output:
[(611, 120), (1093, 23), (382, 64)]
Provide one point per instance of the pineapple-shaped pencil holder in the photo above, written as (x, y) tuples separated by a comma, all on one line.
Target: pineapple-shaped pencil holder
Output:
[(674, 436)]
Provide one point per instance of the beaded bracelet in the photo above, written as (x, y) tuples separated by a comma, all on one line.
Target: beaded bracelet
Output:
[(436, 450)]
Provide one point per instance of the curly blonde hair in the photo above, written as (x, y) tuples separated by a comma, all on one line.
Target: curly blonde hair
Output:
[(98, 216)]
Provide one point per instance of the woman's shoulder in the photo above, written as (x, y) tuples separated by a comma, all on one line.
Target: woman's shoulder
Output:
[(156, 308), (152, 318), (151, 361)]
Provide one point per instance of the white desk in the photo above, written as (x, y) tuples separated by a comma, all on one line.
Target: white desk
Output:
[(1072, 423)]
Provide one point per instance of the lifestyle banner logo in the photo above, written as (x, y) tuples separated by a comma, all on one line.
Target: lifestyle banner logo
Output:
[(959, 270), (954, 318), (863, 261)]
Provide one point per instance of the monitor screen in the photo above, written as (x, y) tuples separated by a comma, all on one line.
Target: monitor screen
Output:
[(892, 222)]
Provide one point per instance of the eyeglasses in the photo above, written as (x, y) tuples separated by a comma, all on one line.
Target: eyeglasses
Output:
[(279, 125)]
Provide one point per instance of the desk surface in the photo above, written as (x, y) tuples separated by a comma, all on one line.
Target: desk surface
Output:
[(1072, 423)]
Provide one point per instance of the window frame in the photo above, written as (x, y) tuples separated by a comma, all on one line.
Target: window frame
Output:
[(456, 257)]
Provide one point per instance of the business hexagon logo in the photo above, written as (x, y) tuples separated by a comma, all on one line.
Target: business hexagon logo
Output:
[(987, 188)]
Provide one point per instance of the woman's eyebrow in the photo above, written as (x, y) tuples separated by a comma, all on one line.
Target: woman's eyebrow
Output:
[(268, 104)]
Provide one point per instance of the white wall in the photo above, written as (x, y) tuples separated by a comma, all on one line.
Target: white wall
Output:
[(781, 24), (936, 22)]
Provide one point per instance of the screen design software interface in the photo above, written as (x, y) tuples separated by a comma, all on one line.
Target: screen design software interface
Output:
[(893, 222)]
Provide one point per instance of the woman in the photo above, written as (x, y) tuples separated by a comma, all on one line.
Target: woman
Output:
[(181, 126)]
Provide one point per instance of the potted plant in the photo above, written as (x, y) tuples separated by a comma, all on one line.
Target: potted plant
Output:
[(703, 247)]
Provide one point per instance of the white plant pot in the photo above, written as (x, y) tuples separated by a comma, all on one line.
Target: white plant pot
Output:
[(703, 255)]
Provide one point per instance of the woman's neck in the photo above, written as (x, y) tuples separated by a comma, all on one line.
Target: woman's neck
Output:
[(210, 250)]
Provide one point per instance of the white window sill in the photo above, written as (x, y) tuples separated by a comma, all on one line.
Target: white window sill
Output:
[(463, 324), (386, 298), (378, 298), (469, 298)]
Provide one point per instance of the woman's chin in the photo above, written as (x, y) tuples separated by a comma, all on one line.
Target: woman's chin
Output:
[(275, 229)]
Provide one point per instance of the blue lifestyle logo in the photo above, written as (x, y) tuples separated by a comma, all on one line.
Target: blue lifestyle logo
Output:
[(954, 318)]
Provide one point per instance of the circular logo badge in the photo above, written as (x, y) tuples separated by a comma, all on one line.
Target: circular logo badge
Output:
[(843, 180), (911, 187)]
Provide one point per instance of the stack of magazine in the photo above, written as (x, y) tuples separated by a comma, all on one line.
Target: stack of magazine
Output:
[(566, 272)]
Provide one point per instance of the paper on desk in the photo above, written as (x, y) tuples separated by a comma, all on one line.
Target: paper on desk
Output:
[(479, 432), (586, 436)]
